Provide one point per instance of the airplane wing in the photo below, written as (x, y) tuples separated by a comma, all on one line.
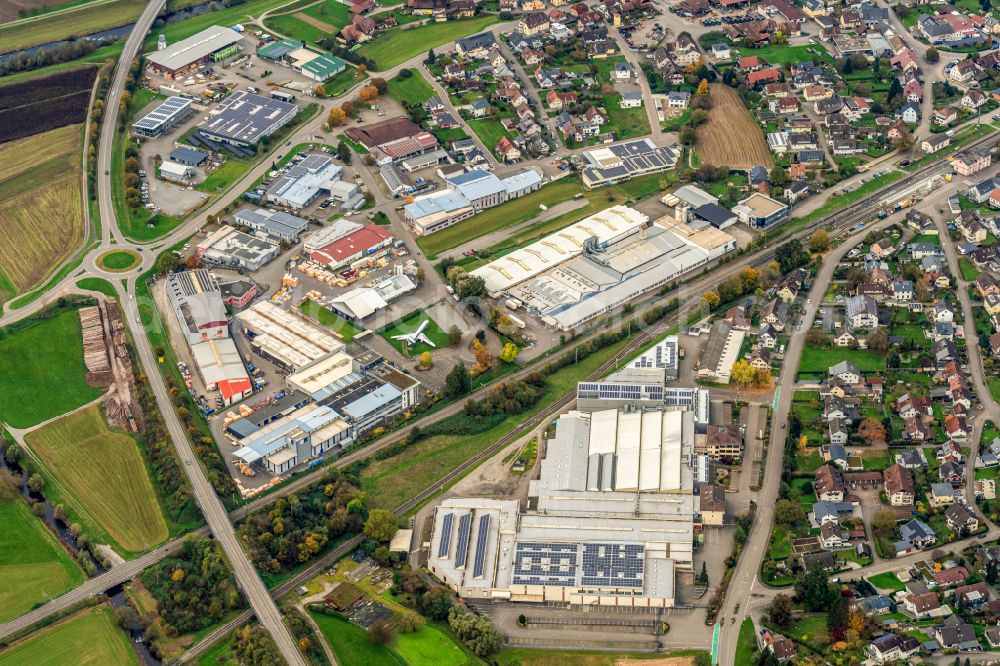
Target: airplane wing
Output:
[(423, 338)]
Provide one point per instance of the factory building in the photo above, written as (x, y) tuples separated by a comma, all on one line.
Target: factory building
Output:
[(285, 339), (221, 368), (174, 172), (171, 111), (467, 194), (612, 519), (313, 177), (364, 242), (230, 248), (275, 227), (183, 58), (575, 275), (760, 211), (294, 439), (720, 351), (311, 64), (197, 302), (244, 118), (362, 302), (624, 161)]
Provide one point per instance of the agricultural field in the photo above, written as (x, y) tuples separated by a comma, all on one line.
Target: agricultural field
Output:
[(312, 23), (88, 638), (12, 10), (729, 118), (80, 20), (409, 324), (228, 15), (41, 207), (100, 473), (26, 395), (33, 566), (397, 46), (41, 104)]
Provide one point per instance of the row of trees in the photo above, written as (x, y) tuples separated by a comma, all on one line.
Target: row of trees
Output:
[(43, 57)]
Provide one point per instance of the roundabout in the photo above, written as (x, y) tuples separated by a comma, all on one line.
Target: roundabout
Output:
[(118, 261)]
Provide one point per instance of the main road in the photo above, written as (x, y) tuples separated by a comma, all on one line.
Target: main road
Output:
[(211, 507)]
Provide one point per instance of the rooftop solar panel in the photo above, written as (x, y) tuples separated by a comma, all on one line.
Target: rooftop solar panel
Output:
[(612, 565), (464, 532), (484, 532), (539, 563), (446, 524)]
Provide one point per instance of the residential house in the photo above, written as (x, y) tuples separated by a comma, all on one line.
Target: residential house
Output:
[(899, 485), (961, 520)]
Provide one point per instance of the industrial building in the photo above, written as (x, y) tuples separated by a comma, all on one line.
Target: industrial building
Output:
[(720, 351), (244, 118), (175, 172), (393, 139), (364, 242), (291, 440), (312, 64), (285, 339), (760, 211), (313, 177), (220, 367), (619, 162), (591, 267), (171, 111), (230, 248), (188, 156), (467, 194), (183, 58), (611, 522), (362, 302), (274, 226), (328, 233), (197, 302)]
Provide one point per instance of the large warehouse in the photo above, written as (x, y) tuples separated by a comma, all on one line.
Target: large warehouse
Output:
[(183, 58), (230, 248), (612, 519), (622, 161), (291, 440), (364, 242), (287, 340), (197, 302), (170, 112), (243, 119), (592, 267)]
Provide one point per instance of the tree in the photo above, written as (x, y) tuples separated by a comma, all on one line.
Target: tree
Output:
[(703, 576), (380, 633), (437, 603), (878, 340), (509, 352), (788, 513), (814, 591), (457, 382), (8, 484), (167, 262), (711, 299), (742, 373), (837, 612), (36, 483), (425, 360), (791, 255), (780, 610), (380, 526), (454, 335), (380, 84), (932, 56), (431, 57), (689, 135), (819, 241), (348, 107), (871, 430), (778, 176), (703, 88)]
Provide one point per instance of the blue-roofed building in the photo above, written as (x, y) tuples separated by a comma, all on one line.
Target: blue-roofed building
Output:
[(437, 210), (188, 156), (304, 182), (294, 439), (272, 225)]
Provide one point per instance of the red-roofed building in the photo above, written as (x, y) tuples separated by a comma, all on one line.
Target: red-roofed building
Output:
[(750, 63), (234, 390), (762, 75), (367, 240)]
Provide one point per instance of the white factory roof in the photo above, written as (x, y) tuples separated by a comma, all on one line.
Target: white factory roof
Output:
[(286, 337), (321, 374), (301, 183), (218, 360), (173, 169), (194, 48), (332, 231), (516, 267)]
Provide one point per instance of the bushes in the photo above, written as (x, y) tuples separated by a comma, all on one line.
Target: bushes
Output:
[(477, 631)]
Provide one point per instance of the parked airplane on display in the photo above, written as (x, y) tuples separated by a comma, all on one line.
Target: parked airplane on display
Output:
[(417, 336)]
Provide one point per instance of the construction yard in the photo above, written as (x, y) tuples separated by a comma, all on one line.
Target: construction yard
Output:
[(727, 119), (41, 210)]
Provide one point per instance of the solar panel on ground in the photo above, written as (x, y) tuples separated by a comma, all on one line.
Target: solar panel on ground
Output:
[(612, 564), (446, 524), (484, 532), (464, 532), (208, 142), (194, 140)]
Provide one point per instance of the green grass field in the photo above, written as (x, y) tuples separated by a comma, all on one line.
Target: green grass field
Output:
[(428, 646), (412, 90), (119, 260), (33, 566), (886, 581), (351, 645), (489, 130), (625, 123), (228, 16), (746, 644), (816, 361), (409, 324), (969, 272), (340, 326), (397, 46), (101, 474), (88, 638), (45, 355), (331, 12), (82, 20), (224, 176), (98, 284)]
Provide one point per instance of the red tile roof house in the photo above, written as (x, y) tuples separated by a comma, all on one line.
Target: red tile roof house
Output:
[(763, 75), (949, 577), (750, 63)]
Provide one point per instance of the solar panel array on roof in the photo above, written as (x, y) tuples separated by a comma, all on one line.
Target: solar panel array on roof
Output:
[(481, 538), (612, 565), (157, 119), (464, 532), (446, 523), (539, 563)]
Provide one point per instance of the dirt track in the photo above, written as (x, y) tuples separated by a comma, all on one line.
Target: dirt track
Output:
[(730, 137)]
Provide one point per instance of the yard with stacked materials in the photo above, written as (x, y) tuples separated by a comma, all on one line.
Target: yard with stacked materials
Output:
[(41, 208), (100, 474), (27, 395), (727, 120), (33, 566), (87, 638)]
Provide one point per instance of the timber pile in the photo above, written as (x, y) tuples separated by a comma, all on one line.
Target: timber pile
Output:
[(95, 353)]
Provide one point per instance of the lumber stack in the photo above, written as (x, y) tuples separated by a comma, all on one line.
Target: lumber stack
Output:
[(95, 352)]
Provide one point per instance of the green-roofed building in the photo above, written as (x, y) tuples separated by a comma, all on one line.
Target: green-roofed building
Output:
[(324, 67), (276, 51)]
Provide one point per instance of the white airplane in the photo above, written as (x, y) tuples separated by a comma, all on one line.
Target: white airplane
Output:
[(417, 336)]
